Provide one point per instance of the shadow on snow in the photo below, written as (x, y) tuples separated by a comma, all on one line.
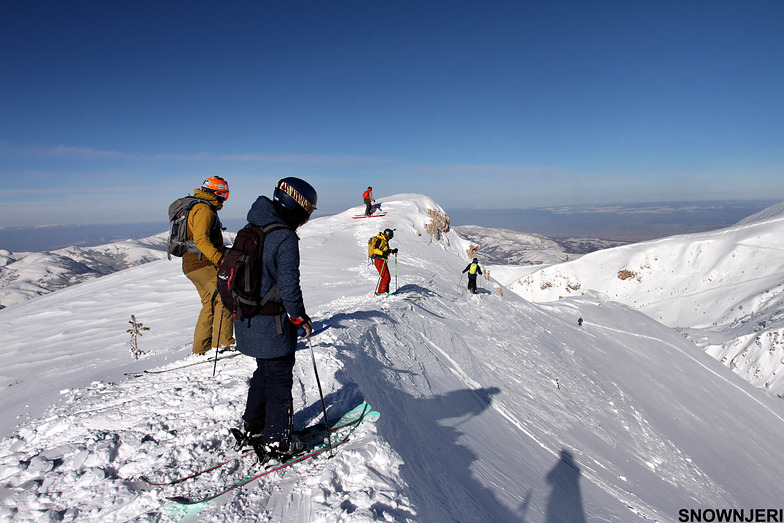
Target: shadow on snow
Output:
[(436, 467)]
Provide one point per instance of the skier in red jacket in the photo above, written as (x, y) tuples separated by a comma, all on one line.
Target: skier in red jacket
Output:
[(367, 197)]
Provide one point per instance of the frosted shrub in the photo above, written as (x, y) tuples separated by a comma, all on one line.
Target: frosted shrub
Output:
[(135, 331)]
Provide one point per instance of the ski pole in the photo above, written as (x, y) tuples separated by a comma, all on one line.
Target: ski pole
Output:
[(321, 394), (395, 272), (217, 343)]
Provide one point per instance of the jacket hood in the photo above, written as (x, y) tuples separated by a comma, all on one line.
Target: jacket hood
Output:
[(263, 212), (204, 195)]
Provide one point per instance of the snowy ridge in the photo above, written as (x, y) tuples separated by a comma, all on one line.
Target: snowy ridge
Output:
[(772, 212), (492, 408), (507, 247), (724, 288), (25, 275)]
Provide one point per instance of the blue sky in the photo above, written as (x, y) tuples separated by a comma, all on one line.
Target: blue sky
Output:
[(110, 110)]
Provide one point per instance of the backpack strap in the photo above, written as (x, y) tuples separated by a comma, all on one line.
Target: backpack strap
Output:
[(190, 244), (271, 303), (376, 240)]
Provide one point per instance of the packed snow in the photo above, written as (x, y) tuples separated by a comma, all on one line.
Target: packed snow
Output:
[(492, 408)]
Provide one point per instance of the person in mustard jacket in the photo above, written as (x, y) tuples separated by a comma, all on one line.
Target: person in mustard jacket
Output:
[(214, 327), (379, 254)]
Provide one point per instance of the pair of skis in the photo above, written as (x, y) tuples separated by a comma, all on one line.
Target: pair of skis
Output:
[(233, 353), (340, 429)]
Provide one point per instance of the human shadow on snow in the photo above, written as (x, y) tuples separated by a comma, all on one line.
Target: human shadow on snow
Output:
[(344, 320), (565, 500), (480, 290), (345, 398), (419, 290), (436, 467)]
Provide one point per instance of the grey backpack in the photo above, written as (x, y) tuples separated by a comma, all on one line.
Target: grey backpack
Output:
[(178, 226)]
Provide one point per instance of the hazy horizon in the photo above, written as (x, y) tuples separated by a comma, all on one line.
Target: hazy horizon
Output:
[(110, 110)]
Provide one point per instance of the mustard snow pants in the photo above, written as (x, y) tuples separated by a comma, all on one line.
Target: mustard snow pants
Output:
[(215, 327)]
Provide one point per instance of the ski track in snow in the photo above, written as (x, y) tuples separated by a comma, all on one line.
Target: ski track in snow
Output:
[(498, 407), (722, 377)]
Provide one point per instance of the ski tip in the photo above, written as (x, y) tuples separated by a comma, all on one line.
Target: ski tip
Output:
[(143, 483), (181, 500)]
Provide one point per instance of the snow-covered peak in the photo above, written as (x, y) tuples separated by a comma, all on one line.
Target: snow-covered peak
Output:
[(724, 286), (774, 212), (408, 215), (422, 233)]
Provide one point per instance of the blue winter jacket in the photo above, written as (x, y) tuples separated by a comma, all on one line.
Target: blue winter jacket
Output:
[(259, 337)]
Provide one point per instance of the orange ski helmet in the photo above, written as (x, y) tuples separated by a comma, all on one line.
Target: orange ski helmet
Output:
[(217, 186)]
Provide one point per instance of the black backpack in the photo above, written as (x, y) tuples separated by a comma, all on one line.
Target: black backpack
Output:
[(178, 243), (239, 275)]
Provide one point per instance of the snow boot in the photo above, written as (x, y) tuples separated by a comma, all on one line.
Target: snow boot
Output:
[(246, 437), (284, 450), (261, 451)]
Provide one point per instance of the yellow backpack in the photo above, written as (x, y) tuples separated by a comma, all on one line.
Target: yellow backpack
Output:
[(372, 245)]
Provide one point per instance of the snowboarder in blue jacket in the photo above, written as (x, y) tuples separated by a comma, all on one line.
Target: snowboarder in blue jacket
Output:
[(272, 339), (473, 269)]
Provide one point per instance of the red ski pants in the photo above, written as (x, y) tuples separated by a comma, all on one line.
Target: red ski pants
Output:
[(383, 270)]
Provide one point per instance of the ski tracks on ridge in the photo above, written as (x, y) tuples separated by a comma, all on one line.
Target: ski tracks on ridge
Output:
[(425, 375)]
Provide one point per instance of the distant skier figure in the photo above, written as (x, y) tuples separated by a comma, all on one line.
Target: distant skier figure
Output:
[(379, 252), (367, 197), (473, 269), (580, 322)]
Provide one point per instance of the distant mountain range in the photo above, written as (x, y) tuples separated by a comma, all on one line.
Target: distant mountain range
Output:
[(25, 275), (507, 247)]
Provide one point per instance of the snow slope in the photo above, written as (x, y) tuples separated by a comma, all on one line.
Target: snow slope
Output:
[(25, 275), (723, 288), (493, 408)]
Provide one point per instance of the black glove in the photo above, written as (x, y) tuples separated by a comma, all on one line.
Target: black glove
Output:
[(393, 251), (304, 323)]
